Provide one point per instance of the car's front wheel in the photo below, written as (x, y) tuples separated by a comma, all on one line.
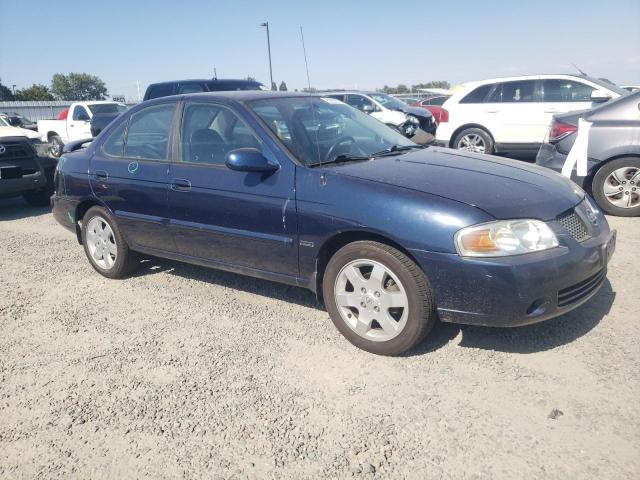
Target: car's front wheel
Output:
[(104, 245), (56, 146), (378, 298), (616, 187)]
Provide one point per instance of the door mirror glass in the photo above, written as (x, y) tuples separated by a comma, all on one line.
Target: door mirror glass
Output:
[(600, 96), (368, 108), (249, 160)]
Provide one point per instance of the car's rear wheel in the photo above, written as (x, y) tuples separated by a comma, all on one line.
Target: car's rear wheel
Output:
[(616, 187), (378, 298), (474, 140), (104, 245)]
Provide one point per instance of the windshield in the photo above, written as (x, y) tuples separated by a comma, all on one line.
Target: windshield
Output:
[(317, 130), (103, 108), (388, 101), (610, 86)]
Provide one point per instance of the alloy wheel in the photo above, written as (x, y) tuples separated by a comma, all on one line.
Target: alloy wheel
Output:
[(621, 187), (371, 300), (472, 143)]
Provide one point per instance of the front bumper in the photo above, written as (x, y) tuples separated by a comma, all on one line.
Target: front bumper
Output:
[(63, 210), (26, 183), (523, 289)]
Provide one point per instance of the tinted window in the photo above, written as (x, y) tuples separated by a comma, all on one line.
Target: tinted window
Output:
[(566, 91), (115, 142), (337, 97), (210, 131), (478, 95), (160, 90), (80, 113), (225, 86), (515, 92), (358, 101), (148, 135), (436, 101), (191, 88), (111, 108)]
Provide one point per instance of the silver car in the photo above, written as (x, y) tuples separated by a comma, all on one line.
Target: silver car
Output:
[(613, 153)]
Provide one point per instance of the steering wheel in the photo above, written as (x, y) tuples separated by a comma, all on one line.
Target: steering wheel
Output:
[(340, 141)]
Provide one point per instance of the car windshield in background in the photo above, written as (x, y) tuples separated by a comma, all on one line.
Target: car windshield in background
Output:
[(388, 101), (611, 86), (222, 86), (319, 129), (102, 108)]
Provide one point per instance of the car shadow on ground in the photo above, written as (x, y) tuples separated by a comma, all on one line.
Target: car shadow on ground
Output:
[(16, 207), (528, 339), (256, 286)]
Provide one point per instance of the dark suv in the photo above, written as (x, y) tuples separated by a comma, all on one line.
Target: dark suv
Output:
[(178, 87), (23, 173)]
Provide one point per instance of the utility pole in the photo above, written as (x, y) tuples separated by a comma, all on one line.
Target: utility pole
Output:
[(138, 85), (266, 24), (14, 87)]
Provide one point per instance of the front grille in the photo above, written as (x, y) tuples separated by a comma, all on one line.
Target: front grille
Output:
[(577, 292), (574, 225), (16, 151)]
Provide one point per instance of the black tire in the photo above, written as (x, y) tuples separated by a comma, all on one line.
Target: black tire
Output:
[(601, 177), (38, 198), (126, 260), (483, 134), (56, 146), (421, 315)]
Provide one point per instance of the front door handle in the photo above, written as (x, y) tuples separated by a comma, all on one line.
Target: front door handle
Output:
[(101, 174), (180, 185)]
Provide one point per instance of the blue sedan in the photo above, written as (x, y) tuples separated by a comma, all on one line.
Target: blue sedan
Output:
[(308, 191)]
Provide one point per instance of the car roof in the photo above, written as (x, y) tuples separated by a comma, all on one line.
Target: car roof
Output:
[(342, 92), (234, 95), (206, 80)]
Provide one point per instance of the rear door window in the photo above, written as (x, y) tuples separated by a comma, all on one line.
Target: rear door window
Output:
[(80, 113), (523, 91), (149, 132), (115, 143), (556, 90)]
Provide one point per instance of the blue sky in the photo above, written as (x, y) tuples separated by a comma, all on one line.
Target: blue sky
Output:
[(363, 44)]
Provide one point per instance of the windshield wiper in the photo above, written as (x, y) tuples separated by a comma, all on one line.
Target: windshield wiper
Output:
[(397, 148), (342, 159)]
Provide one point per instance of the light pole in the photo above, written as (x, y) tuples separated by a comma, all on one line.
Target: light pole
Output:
[(266, 24)]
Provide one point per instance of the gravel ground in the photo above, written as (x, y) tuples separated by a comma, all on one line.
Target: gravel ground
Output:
[(181, 371)]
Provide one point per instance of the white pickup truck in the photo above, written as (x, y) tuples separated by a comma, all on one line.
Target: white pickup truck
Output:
[(77, 125)]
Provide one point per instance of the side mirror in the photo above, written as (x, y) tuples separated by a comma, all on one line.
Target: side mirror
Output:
[(249, 160), (600, 96), (368, 109)]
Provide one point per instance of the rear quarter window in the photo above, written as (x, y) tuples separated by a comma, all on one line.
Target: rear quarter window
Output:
[(478, 95), (160, 90)]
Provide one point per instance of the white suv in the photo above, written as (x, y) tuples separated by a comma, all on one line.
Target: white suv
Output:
[(514, 114)]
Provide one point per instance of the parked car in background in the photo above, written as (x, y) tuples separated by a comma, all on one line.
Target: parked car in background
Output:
[(631, 88), (514, 114), (395, 113), (612, 154), (18, 121), (103, 115), (179, 87), (21, 171), (434, 105), (308, 191), (77, 125), (408, 100)]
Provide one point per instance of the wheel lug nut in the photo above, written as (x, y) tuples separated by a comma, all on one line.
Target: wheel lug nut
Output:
[(377, 309), (363, 290), (377, 294), (363, 305), (624, 182), (620, 188), (626, 193)]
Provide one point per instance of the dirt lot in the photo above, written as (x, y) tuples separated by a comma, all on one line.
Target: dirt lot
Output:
[(184, 371)]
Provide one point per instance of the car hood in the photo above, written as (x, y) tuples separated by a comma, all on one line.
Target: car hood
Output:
[(417, 111), (19, 132), (502, 188)]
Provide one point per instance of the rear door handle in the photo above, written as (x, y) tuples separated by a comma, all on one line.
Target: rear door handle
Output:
[(180, 185), (101, 174)]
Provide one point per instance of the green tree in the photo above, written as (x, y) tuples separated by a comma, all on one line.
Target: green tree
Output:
[(5, 93), (283, 86), (78, 86), (402, 88), (34, 92), (432, 84), (250, 78)]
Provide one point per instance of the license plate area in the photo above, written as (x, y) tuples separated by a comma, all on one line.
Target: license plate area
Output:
[(7, 173)]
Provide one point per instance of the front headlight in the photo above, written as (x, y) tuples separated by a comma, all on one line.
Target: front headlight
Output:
[(505, 237), (413, 119)]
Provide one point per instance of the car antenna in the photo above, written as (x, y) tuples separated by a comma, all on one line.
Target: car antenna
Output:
[(313, 112), (215, 73), (581, 72)]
